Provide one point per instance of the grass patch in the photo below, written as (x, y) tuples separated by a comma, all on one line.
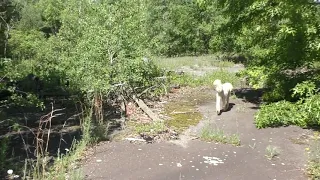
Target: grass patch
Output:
[(272, 151), (47, 166), (316, 64), (75, 175), (207, 79), (314, 157), (64, 166), (152, 128), (217, 135), (192, 61)]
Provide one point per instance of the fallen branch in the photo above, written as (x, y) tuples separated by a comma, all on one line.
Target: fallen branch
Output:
[(146, 109)]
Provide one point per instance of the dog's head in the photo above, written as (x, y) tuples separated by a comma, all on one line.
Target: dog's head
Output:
[(217, 84)]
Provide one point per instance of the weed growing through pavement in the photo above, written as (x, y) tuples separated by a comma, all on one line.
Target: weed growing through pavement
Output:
[(217, 135), (272, 151)]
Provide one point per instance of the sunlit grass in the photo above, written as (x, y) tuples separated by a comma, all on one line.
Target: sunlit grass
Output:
[(207, 79), (192, 61)]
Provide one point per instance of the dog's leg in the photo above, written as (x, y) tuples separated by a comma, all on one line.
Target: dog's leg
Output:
[(223, 102), (218, 99), (227, 102)]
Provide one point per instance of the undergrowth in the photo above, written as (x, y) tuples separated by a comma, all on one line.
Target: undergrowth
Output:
[(303, 113), (65, 165), (45, 165)]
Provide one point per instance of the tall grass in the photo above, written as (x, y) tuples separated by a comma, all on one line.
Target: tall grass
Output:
[(67, 163), (192, 61), (207, 79), (63, 166)]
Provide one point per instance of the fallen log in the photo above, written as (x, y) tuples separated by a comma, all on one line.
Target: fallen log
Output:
[(146, 109)]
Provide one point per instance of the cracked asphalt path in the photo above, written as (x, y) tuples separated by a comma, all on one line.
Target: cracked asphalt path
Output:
[(199, 160)]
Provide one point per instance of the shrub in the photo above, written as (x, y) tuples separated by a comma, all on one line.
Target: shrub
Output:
[(256, 76), (276, 114), (304, 113)]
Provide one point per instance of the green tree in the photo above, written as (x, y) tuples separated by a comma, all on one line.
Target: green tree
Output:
[(276, 35), (7, 13), (180, 27)]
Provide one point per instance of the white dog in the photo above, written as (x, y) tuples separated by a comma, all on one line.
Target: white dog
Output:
[(223, 93)]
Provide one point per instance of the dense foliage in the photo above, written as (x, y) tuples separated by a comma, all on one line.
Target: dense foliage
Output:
[(281, 42), (304, 113), (94, 45)]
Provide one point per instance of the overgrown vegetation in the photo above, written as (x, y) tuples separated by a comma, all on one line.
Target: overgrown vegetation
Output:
[(303, 113), (280, 42), (101, 53)]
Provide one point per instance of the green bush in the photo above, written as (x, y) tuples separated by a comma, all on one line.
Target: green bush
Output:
[(303, 113), (136, 73), (281, 113), (256, 76), (279, 85)]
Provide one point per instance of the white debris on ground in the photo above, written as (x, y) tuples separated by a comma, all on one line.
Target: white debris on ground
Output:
[(212, 160)]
